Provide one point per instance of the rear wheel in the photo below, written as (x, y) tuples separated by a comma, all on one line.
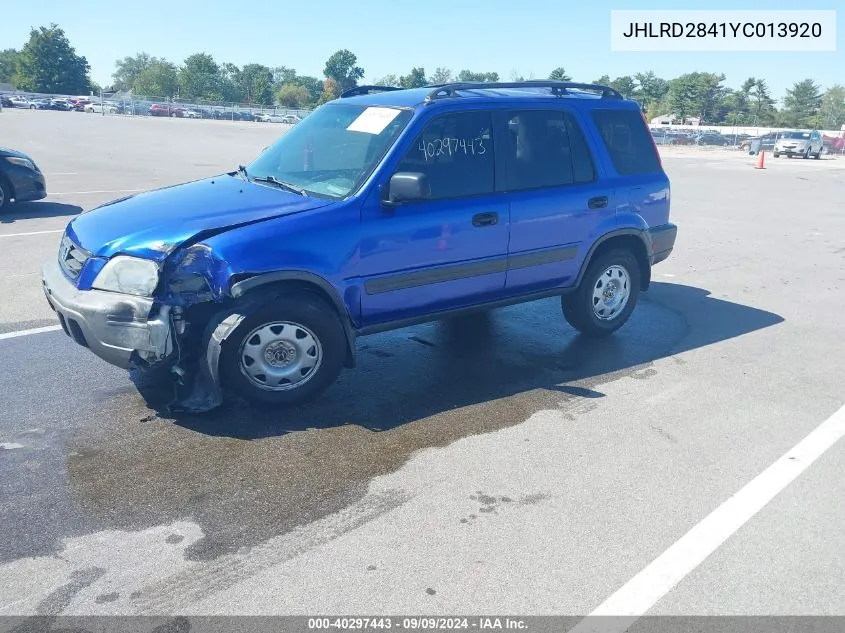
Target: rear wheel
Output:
[(776, 155), (607, 295), (286, 352)]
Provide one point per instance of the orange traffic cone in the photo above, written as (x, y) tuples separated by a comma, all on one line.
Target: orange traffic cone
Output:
[(761, 161)]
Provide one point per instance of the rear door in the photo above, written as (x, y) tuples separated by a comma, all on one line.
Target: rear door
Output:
[(634, 165), (555, 195)]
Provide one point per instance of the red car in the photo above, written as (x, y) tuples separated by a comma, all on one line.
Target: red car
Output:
[(164, 109)]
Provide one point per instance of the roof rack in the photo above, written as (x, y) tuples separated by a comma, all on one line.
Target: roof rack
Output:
[(558, 88), (365, 90)]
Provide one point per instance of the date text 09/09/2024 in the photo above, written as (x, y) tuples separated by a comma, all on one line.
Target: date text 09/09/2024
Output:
[(417, 623), (724, 29)]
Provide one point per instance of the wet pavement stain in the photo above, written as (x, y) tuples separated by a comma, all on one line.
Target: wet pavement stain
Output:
[(107, 597), (246, 475)]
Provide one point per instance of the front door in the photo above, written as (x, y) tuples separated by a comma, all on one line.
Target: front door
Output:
[(447, 251)]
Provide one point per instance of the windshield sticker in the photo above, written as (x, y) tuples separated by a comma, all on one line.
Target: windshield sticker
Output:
[(373, 120)]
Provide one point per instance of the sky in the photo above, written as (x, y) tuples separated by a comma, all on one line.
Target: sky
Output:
[(392, 36)]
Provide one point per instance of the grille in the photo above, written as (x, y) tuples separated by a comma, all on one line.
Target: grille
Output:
[(72, 257)]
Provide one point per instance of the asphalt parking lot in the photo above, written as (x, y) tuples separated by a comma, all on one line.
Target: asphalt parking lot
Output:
[(498, 464)]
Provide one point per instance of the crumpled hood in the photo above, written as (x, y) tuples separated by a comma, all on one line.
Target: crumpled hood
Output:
[(153, 224)]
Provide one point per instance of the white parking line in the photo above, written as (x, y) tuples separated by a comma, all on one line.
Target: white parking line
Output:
[(84, 193), (645, 589), (36, 330), (30, 233)]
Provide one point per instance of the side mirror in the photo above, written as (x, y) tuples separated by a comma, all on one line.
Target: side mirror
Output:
[(406, 187)]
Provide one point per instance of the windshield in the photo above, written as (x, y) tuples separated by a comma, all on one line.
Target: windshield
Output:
[(332, 151), (798, 135)]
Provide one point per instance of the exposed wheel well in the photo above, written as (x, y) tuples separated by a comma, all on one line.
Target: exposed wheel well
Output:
[(630, 243)]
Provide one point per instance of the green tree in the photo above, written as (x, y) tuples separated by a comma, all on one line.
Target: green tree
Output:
[(832, 111), (762, 106), (229, 83), (650, 90), (387, 80), (160, 79), (624, 85), (414, 79), (441, 75), (8, 65), (293, 96), (256, 84), (331, 90), (559, 74), (313, 85), (128, 69), (801, 103), (341, 68), (696, 95), (49, 64), (283, 75), (200, 78), (471, 77)]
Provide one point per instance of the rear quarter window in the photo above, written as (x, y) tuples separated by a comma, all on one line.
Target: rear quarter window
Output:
[(628, 141)]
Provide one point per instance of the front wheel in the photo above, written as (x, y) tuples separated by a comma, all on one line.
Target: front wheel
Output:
[(286, 352), (607, 295), (775, 154)]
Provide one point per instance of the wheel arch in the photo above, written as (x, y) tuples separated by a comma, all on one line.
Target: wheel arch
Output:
[(275, 283), (635, 240)]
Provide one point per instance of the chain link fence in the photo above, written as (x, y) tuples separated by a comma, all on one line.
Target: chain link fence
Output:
[(148, 105)]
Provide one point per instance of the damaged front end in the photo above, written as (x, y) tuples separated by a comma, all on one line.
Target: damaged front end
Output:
[(193, 294)]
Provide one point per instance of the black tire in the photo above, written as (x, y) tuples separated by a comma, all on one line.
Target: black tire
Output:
[(578, 306), (817, 155), (775, 154), (307, 310), (5, 194)]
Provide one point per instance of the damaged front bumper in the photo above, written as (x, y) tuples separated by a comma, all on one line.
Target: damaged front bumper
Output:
[(116, 327)]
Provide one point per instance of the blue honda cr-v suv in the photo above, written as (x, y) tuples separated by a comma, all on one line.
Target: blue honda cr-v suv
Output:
[(381, 209)]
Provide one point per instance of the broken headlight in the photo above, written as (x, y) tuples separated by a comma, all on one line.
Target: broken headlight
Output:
[(129, 275)]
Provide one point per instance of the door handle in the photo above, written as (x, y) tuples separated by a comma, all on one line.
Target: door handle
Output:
[(597, 203), (485, 219)]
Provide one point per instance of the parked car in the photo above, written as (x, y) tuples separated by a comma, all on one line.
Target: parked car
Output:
[(61, 105), (192, 114), (767, 142), (273, 118), (6, 102), (20, 179), (290, 119), (377, 211), (164, 109), (100, 108), (804, 144), (712, 139), (22, 102)]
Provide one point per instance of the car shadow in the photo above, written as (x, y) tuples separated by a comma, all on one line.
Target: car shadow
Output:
[(38, 209), (418, 372), (246, 475)]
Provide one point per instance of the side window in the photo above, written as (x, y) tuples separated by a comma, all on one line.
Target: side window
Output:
[(455, 151), (547, 149), (628, 141)]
